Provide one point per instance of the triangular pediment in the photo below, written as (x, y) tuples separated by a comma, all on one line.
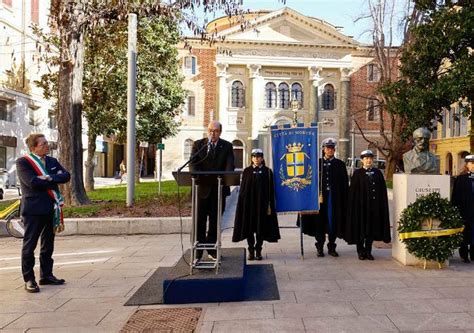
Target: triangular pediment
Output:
[(288, 26)]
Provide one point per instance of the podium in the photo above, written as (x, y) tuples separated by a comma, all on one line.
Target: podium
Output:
[(206, 178)]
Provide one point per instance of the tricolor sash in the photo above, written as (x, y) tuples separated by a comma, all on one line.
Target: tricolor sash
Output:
[(58, 221)]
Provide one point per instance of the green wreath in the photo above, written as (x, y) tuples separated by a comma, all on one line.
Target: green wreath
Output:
[(439, 244)]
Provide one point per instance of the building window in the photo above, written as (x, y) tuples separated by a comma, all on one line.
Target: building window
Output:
[(190, 65), (6, 113), (190, 105), (270, 95), (373, 109), (52, 119), (297, 93), (328, 97), (373, 74), (33, 116), (238, 147), (237, 95), (35, 11), (3, 157), (188, 146), (284, 92)]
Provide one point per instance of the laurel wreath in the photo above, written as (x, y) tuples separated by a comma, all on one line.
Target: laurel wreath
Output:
[(431, 206), (296, 183)]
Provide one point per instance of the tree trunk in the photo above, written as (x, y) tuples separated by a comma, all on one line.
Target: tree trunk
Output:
[(70, 116), (397, 146), (90, 166)]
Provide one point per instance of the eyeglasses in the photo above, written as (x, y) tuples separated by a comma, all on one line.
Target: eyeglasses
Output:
[(214, 131)]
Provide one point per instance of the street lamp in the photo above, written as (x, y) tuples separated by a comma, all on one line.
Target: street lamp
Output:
[(295, 105)]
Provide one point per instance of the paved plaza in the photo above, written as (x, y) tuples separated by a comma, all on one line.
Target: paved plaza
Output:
[(316, 294)]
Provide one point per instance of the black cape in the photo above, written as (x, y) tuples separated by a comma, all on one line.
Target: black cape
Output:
[(318, 223), (256, 196), (463, 198), (368, 214)]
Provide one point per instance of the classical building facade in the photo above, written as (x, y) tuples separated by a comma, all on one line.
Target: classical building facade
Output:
[(255, 78)]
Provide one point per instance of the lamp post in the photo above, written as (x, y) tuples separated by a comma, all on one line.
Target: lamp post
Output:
[(295, 105)]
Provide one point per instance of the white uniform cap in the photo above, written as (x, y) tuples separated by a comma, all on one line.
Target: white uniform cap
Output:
[(329, 142), (469, 158), (366, 153), (257, 151)]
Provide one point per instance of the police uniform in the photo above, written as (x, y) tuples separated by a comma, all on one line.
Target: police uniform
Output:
[(368, 214), (463, 198)]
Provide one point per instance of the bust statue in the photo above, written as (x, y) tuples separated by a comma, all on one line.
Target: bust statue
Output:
[(419, 159)]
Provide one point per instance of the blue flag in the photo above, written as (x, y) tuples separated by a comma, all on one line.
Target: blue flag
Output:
[(295, 167)]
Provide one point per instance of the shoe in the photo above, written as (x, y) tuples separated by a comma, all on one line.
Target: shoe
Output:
[(51, 280), (31, 286), (258, 255), (319, 253), (251, 255), (370, 256), (333, 253), (212, 257), (362, 256)]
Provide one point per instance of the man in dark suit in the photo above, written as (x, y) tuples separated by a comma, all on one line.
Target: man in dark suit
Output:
[(40, 208), (217, 156)]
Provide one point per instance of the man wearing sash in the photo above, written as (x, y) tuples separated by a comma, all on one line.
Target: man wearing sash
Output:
[(41, 209)]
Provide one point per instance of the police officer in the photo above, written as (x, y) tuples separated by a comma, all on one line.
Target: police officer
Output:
[(333, 200), (368, 215), (463, 198)]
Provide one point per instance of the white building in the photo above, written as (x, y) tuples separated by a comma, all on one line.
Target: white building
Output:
[(22, 107)]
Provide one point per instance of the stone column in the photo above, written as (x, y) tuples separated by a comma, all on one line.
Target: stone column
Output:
[(257, 91), (315, 77), (223, 95), (344, 117)]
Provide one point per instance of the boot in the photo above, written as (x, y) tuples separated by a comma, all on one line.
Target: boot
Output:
[(332, 250), (258, 254), (251, 255), (319, 249), (463, 253), (369, 256)]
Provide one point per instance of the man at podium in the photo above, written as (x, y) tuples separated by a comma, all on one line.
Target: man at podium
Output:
[(218, 156)]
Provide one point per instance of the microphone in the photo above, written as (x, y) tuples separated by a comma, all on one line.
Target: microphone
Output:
[(209, 144)]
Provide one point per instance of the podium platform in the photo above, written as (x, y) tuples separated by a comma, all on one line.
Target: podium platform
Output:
[(205, 286)]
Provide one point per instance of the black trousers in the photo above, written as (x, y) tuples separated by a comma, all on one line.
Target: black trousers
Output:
[(365, 246), (255, 245), (466, 250), (207, 208), (37, 226), (321, 239)]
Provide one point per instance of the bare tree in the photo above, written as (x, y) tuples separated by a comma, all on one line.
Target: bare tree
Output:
[(386, 57)]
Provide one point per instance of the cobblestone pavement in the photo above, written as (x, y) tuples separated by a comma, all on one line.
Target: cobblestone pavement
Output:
[(317, 294)]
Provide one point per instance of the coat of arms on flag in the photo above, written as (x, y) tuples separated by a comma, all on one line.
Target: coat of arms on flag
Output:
[(295, 159), (298, 173)]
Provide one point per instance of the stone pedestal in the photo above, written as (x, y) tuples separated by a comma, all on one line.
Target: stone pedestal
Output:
[(406, 189)]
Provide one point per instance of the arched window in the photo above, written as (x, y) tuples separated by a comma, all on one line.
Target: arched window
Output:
[(188, 146), (270, 95), (237, 95), (238, 147), (297, 93), (284, 92), (328, 97)]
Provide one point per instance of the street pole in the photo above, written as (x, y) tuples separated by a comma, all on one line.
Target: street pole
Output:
[(131, 101)]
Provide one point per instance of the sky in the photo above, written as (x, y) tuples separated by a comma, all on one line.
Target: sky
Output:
[(337, 12)]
